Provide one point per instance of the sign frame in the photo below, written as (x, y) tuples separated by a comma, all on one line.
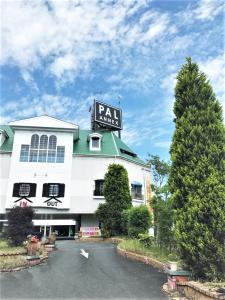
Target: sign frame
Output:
[(111, 126)]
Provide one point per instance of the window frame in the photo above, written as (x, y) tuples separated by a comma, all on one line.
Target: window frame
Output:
[(98, 189), (24, 153), (94, 137)]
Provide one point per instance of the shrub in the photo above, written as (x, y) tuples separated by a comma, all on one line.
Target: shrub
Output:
[(19, 224), (145, 239), (139, 220)]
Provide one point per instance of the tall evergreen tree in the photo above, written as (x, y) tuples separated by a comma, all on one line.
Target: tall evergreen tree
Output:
[(117, 195), (197, 178)]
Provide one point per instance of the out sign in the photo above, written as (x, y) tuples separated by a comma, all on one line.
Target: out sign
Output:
[(108, 115)]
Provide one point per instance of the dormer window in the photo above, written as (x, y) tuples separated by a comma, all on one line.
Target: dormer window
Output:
[(95, 141)]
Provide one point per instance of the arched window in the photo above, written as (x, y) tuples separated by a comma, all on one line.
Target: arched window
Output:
[(34, 148), (34, 141), (44, 142), (52, 142), (43, 148), (52, 149)]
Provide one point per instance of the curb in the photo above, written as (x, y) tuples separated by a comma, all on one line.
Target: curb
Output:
[(193, 287), (145, 259)]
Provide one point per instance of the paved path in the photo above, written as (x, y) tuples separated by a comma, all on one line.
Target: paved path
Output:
[(68, 275)]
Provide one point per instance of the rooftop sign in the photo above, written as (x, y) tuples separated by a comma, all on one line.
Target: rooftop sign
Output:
[(107, 115)]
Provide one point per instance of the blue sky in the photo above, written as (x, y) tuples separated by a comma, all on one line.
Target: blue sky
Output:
[(57, 56)]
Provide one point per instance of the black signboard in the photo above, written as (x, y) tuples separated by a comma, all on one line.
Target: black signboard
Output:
[(107, 115)]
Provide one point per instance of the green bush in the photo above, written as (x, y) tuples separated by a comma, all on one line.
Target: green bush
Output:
[(19, 224), (139, 220), (145, 239)]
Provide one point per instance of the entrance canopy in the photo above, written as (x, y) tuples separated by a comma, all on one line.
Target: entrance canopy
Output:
[(53, 222)]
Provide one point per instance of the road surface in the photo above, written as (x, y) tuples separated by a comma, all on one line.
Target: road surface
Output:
[(69, 275)]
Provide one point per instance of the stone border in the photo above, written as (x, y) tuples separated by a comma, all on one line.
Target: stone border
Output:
[(196, 292), (145, 259)]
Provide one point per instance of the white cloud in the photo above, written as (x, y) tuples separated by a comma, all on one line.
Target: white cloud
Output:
[(208, 9), (69, 37), (214, 68)]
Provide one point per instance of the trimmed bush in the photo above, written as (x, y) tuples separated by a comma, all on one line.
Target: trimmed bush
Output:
[(139, 220), (145, 239)]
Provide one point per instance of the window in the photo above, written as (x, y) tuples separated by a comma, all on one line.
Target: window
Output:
[(95, 141), (24, 152), (99, 184), (52, 149), (33, 155), (34, 141), (42, 156), (42, 150), (52, 142), (51, 156), (44, 142), (53, 190), (136, 191), (24, 190), (60, 154)]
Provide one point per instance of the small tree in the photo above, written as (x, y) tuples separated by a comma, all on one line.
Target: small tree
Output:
[(161, 204), (19, 224), (197, 178), (117, 195), (139, 220)]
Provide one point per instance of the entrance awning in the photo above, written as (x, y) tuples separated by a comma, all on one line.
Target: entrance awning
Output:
[(53, 222)]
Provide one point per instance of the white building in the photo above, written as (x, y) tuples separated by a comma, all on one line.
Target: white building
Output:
[(59, 169)]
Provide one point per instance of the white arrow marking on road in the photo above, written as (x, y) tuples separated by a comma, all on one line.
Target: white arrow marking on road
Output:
[(85, 254)]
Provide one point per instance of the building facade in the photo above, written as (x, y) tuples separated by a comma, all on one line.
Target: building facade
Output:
[(59, 170)]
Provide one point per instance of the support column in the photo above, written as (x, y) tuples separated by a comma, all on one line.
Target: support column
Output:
[(45, 231)]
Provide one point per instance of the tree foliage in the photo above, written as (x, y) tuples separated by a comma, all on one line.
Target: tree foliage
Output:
[(197, 178), (19, 224), (117, 195), (139, 220), (161, 203)]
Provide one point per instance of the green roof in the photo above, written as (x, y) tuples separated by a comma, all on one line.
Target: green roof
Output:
[(111, 145), (8, 143)]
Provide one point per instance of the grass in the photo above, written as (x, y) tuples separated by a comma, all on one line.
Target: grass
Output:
[(11, 262), (153, 251), (6, 249)]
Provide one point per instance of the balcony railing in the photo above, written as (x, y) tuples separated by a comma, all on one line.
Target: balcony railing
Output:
[(98, 193), (137, 196)]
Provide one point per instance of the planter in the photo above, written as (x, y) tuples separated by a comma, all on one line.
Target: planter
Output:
[(173, 265), (33, 260), (49, 247)]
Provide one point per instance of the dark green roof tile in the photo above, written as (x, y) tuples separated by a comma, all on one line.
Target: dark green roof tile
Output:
[(8, 143)]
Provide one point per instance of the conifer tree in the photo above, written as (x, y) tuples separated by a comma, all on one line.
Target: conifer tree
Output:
[(197, 178), (117, 195)]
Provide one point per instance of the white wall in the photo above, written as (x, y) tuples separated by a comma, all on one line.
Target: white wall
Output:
[(4, 177), (85, 170), (40, 173)]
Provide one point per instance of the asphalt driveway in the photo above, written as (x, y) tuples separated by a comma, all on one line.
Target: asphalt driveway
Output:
[(68, 275)]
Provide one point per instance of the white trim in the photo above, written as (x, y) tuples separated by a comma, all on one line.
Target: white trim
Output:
[(95, 135), (115, 143), (138, 201), (53, 222)]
